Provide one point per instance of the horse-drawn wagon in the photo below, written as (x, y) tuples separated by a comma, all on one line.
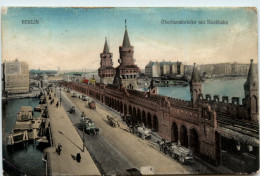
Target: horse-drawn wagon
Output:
[(176, 151), (89, 126), (72, 110), (92, 105), (113, 121)]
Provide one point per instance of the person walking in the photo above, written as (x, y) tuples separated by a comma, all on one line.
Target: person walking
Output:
[(78, 157)]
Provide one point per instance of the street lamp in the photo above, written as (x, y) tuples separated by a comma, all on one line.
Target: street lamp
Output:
[(83, 139), (60, 97), (83, 124)]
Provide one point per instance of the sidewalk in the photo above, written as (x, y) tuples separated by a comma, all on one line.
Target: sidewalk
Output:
[(64, 133)]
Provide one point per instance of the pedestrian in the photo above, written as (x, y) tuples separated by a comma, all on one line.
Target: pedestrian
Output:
[(57, 104), (78, 157), (58, 150)]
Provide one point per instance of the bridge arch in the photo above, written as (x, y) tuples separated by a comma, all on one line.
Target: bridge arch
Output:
[(138, 115), (194, 140), (130, 110), (174, 135), (121, 107), (144, 118), (134, 113), (149, 120), (254, 104), (155, 123), (117, 106), (184, 136), (125, 109), (112, 103)]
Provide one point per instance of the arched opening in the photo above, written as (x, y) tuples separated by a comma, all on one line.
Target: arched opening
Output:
[(149, 120), (139, 116), (144, 118), (121, 107), (174, 135), (125, 109), (117, 105), (112, 103), (194, 141), (130, 110), (254, 107), (109, 101), (130, 86), (134, 114), (155, 123), (184, 136)]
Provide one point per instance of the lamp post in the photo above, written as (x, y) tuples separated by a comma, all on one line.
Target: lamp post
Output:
[(83, 124), (83, 138), (60, 97)]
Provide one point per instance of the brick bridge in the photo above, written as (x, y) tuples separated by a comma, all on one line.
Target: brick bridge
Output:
[(197, 124)]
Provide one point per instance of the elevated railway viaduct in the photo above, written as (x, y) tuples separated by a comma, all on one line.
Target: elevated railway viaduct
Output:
[(204, 125)]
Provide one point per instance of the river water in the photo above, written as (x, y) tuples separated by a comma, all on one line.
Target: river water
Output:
[(20, 159), (231, 88), (27, 160)]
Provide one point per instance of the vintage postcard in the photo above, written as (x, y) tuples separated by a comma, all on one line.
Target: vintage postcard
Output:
[(129, 91)]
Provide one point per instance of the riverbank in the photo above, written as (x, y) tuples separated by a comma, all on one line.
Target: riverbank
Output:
[(24, 95)]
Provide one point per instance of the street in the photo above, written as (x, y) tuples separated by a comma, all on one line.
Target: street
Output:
[(115, 149)]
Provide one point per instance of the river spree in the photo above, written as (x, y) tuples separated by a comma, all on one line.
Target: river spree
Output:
[(231, 88), (20, 159)]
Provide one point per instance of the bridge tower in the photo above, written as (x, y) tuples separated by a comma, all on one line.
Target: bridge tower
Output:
[(106, 72), (251, 93), (127, 71), (195, 86)]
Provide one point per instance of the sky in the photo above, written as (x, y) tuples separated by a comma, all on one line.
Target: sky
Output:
[(73, 38)]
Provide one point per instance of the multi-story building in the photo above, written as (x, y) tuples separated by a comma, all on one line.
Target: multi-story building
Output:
[(158, 69), (225, 69), (15, 77)]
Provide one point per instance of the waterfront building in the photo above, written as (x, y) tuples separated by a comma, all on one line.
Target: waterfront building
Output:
[(158, 69), (15, 75), (106, 72), (127, 72), (224, 69)]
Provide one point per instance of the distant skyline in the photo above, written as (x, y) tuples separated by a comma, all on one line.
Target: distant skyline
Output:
[(73, 38)]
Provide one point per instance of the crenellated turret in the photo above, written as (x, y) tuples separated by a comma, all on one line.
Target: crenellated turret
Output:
[(195, 86), (251, 93)]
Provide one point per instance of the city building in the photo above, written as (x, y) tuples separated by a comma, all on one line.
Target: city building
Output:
[(15, 75), (106, 72), (127, 72), (158, 69), (224, 69)]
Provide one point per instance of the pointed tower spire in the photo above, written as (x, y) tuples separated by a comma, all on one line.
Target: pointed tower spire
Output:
[(106, 48), (195, 74), (251, 80), (126, 41)]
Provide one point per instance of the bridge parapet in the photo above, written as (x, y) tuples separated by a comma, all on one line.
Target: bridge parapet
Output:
[(231, 109), (179, 102)]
